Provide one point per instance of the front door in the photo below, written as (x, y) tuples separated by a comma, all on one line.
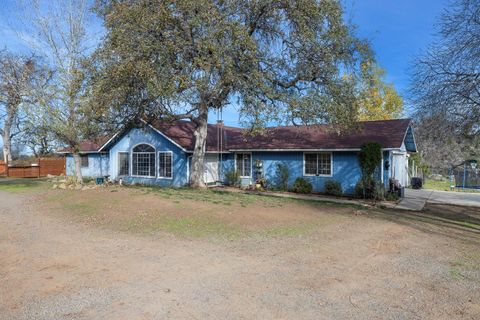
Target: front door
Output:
[(211, 168)]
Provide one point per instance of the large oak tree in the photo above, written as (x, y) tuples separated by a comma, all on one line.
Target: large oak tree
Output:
[(283, 61)]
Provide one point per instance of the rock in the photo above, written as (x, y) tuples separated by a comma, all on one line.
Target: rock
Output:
[(62, 181), (85, 188), (71, 187), (50, 176), (62, 186), (55, 186), (78, 187)]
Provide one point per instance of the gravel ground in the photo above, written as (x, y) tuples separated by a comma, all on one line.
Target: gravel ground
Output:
[(366, 268)]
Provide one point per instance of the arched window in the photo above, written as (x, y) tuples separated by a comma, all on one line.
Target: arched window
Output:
[(143, 161)]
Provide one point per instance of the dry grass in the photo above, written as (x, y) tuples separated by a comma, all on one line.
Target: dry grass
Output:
[(194, 213)]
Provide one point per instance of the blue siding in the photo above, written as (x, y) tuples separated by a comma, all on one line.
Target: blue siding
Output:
[(97, 165), (346, 169), (160, 143)]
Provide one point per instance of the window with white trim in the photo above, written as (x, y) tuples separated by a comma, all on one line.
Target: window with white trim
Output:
[(317, 164), (244, 164), (143, 161), (165, 164), (123, 163)]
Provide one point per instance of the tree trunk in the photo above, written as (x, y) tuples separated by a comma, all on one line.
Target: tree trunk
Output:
[(7, 137), (78, 166), (197, 168)]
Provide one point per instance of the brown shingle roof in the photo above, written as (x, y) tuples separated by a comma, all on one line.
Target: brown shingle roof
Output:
[(88, 146), (389, 133)]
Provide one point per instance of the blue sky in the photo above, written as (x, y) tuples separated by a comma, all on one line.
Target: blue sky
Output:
[(397, 29)]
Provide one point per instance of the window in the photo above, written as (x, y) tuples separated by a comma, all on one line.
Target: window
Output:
[(317, 164), (244, 164), (165, 164), (123, 163), (143, 161), (84, 161)]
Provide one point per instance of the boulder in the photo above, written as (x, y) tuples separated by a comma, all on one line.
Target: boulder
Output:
[(85, 188), (78, 187), (62, 186), (55, 186)]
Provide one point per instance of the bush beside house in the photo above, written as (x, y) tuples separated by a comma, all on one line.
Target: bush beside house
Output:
[(333, 188), (301, 185)]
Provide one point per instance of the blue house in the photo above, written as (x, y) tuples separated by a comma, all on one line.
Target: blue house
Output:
[(159, 153)]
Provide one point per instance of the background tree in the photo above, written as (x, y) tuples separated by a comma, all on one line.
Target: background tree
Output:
[(444, 147), (446, 78), (378, 99), (445, 89), (16, 79), (294, 61), (62, 39)]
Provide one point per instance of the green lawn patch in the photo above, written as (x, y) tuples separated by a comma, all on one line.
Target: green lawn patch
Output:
[(22, 185), (437, 185)]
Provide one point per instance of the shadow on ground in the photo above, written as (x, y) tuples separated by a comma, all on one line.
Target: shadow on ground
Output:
[(453, 221)]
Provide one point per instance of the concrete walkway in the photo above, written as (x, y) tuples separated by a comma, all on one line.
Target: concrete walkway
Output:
[(416, 200)]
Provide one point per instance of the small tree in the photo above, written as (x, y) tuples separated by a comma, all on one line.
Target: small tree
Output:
[(369, 158), (62, 39), (16, 78)]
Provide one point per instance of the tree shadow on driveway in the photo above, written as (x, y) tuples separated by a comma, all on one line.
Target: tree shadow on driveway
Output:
[(453, 221)]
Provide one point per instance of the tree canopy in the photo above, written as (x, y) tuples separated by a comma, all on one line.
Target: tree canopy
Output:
[(283, 61), (446, 78), (378, 99)]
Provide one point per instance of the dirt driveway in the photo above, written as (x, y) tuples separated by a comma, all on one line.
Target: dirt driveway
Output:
[(360, 267)]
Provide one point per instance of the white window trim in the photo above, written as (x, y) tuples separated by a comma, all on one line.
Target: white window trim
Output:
[(251, 164), (154, 162), (158, 171), (118, 164), (320, 175)]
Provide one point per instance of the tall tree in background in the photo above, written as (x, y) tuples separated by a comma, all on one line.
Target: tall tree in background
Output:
[(378, 99), (16, 82), (446, 78), (60, 29), (285, 60)]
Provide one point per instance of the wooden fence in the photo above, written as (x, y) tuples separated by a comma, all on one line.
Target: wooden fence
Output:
[(44, 166), (3, 168)]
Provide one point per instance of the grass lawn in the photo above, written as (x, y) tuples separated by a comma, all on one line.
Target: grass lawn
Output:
[(194, 213), (19, 185), (444, 186), (437, 185)]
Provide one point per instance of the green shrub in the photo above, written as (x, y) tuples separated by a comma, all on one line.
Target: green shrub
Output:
[(392, 196), (372, 190), (333, 188), (283, 176), (302, 185), (233, 177), (369, 158)]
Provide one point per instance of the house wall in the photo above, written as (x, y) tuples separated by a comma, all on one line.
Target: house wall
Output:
[(346, 169), (147, 135), (97, 165)]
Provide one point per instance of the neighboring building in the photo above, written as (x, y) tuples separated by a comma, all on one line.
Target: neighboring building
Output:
[(160, 153)]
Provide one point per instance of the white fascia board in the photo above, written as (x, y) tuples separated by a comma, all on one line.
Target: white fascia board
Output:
[(109, 140)]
